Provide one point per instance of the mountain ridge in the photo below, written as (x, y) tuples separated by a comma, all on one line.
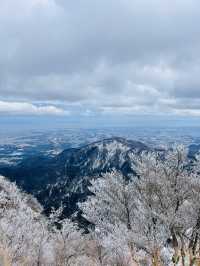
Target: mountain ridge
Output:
[(66, 177)]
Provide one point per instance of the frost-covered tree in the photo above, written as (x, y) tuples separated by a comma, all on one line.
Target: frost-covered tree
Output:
[(68, 243), (170, 186), (123, 220), (112, 204), (158, 206), (30, 239), (23, 232), (111, 210)]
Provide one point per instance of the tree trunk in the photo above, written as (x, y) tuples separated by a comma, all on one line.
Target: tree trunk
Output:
[(4, 258), (183, 254), (176, 255), (193, 248), (197, 262), (156, 261), (192, 257), (183, 257)]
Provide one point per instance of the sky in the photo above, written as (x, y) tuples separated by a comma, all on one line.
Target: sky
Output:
[(92, 59)]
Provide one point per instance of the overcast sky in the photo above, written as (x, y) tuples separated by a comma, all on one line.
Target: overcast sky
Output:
[(100, 57)]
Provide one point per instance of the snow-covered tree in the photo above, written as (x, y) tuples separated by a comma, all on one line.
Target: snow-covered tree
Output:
[(23, 232), (111, 210), (170, 186), (30, 239), (124, 221), (68, 243), (158, 206)]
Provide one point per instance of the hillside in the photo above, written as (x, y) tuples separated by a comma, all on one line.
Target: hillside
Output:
[(65, 178)]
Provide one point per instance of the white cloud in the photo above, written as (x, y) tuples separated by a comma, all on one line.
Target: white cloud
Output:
[(187, 112), (24, 108)]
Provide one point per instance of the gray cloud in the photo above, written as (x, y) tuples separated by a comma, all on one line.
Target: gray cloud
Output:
[(125, 56)]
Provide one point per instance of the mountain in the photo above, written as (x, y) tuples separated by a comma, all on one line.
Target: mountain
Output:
[(65, 178), (193, 150)]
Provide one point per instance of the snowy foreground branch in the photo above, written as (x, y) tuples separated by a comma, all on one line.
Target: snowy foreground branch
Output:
[(150, 219)]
